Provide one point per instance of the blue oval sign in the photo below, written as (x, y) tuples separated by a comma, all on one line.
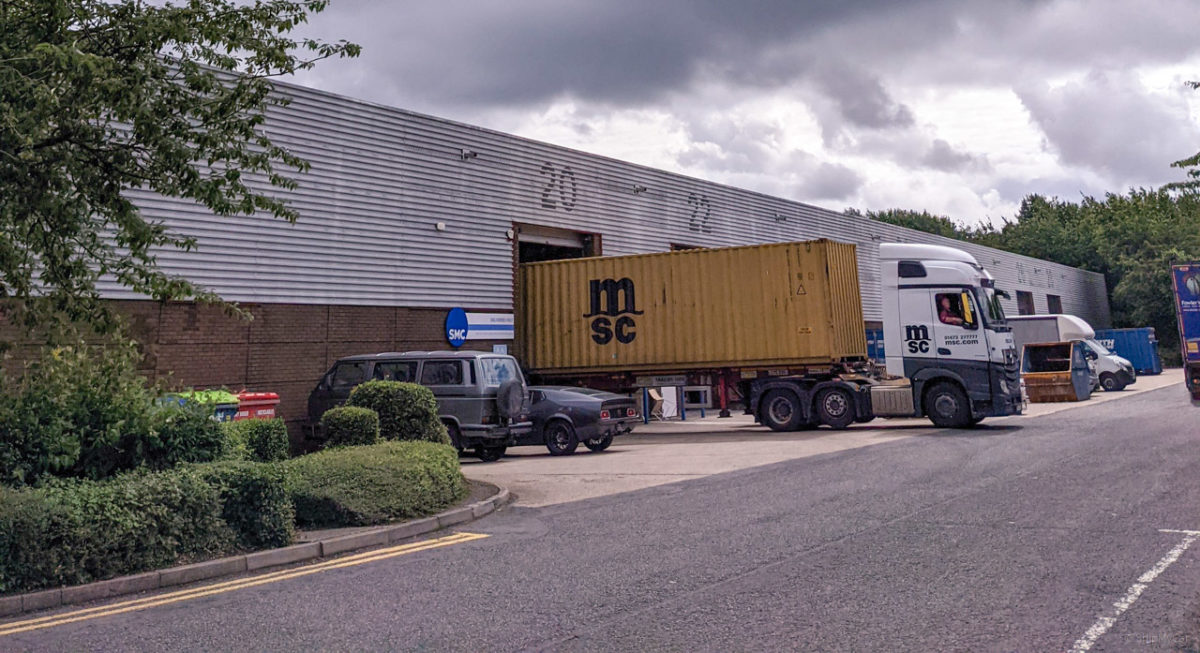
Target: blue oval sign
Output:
[(456, 327)]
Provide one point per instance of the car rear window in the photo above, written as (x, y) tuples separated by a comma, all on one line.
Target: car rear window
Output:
[(498, 370), (442, 373), (396, 371)]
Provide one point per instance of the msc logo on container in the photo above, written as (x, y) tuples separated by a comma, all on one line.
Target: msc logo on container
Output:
[(916, 338), (606, 298)]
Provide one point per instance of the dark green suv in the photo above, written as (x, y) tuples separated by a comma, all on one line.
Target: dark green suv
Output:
[(482, 398)]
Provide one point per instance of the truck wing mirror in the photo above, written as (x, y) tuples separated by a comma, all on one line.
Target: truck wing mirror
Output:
[(1003, 294)]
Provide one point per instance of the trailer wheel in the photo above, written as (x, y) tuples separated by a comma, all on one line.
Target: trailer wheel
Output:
[(780, 410), (835, 408), (947, 407)]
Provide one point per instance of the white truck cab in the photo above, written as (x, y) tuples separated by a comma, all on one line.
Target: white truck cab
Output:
[(946, 333), (1113, 372), (950, 358)]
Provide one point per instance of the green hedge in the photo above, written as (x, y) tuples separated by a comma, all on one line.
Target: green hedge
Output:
[(407, 411), (255, 502), (180, 434), (350, 426), (83, 411), (358, 486), (264, 440), (73, 531)]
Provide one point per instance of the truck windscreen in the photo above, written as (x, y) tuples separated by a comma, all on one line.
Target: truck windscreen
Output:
[(992, 311)]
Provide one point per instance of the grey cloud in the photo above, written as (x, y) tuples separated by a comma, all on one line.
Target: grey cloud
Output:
[(914, 148), (1110, 124), (817, 180), (861, 98), (1070, 189), (721, 144), (427, 53), (941, 156)]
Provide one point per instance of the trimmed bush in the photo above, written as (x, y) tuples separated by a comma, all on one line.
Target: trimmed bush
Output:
[(69, 532), (75, 411), (254, 502), (83, 411), (264, 440), (358, 486), (350, 426), (180, 434), (235, 446), (407, 411), (72, 532)]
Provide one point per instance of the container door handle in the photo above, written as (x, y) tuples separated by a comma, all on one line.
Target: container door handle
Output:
[(942, 351)]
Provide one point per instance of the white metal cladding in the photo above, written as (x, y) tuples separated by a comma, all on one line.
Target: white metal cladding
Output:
[(383, 179)]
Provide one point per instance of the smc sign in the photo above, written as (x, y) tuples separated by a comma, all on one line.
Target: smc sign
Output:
[(462, 326), (456, 327)]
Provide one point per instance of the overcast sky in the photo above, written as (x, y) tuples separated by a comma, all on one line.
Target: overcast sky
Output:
[(959, 107)]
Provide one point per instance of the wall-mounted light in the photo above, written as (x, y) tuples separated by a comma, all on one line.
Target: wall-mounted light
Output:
[(465, 154), (441, 226), (638, 189), (509, 234), (779, 217)]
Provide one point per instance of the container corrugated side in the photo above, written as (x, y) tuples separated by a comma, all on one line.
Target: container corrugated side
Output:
[(761, 305)]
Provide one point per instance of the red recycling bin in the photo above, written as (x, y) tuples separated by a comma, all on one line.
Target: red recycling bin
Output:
[(256, 405)]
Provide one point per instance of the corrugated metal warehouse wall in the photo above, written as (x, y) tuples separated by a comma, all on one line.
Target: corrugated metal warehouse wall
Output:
[(383, 179)]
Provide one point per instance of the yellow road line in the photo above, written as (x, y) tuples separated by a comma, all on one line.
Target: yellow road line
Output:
[(233, 584), (229, 586)]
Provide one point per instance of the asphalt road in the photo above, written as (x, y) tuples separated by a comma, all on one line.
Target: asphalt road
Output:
[(1034, 535)]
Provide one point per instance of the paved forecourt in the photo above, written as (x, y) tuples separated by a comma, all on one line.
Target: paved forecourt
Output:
[(667, 452)]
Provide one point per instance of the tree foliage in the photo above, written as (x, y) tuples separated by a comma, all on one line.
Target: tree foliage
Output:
[(98, 97), (921, 221)]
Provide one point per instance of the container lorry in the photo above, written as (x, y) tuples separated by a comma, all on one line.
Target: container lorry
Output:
[(783, 324), (1185, 280), (1113, 373)]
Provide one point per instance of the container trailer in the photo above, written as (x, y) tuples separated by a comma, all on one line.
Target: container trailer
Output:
[(783, 324)]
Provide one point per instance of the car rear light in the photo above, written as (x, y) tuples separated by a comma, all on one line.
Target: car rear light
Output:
[(629, 412), (604, 414)]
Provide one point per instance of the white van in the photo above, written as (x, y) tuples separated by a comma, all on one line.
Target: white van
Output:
[(1113, 372)]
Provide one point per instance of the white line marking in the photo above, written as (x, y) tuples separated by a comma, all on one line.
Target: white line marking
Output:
[(1131, 596)]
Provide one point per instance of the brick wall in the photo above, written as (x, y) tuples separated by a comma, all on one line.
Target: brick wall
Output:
[(285, 348)]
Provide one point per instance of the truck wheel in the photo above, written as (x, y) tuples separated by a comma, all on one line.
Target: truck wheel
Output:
[(946, 405), (598, 444), (1111, 383), (835, 408), (780, 410), (560, 438), (490, 453)]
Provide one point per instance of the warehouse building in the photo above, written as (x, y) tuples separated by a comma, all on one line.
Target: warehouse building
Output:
[(404, 216)]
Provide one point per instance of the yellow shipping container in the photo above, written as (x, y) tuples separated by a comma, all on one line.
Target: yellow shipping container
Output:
[(762, 305)]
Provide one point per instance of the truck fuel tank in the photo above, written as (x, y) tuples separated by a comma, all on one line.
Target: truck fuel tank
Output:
[(892, 400)]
